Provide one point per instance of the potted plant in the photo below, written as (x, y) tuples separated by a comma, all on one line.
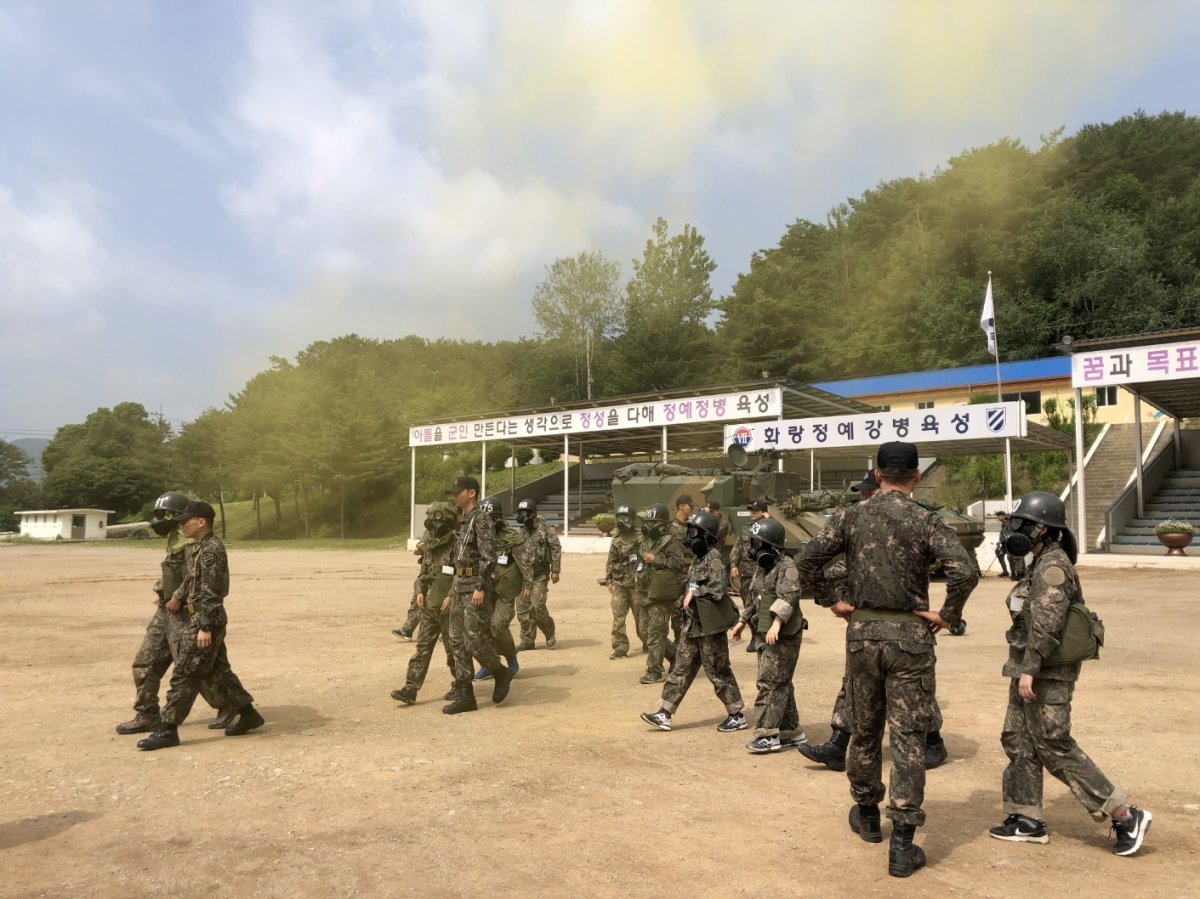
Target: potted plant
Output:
[(604, 522), (1175, 534)]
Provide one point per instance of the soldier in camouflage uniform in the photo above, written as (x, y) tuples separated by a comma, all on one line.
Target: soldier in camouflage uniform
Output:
[(684, 508), (540, 558), (713, 508), (200, 647), (1037, 725), (708, 615), (891, 543), (662, 580), (506, 586), (620, 571), (432, 589), (829, 589), (406, 630), (471, 602), (781, 625), (741, 565), (153, 657)]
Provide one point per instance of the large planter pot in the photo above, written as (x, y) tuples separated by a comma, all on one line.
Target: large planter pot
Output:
[(605, 529), (1175, 543)]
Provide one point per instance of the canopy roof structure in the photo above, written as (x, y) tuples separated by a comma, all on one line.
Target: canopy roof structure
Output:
[(1177, 398)]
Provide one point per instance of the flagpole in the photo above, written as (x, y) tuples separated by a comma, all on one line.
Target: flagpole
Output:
[(995, 340)]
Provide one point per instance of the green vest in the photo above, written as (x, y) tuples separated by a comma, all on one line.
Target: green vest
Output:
[(173, 568), (507, 579), (793, 625)]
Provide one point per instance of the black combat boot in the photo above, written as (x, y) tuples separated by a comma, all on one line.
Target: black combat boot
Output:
[(247, 720), (504, 677), (452, 694), (864, 821), (166, 735), (832, 754), (935, 750), (140, 723), (464, 701), (225, 717), (903, 857), (406, 695)]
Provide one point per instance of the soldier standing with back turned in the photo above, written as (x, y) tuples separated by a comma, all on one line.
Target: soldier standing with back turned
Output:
[(891, 542)]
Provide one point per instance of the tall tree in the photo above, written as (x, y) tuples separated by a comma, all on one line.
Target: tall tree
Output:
[(17, 489), (579, 303)]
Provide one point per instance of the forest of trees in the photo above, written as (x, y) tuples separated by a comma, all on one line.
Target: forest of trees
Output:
[(1095, 234)]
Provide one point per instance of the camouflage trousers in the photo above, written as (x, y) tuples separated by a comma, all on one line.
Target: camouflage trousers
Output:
[(658, 643), (532, 611), (775, 705), (840, 720), (434, 626), (194, 665), (471, 636), (414, 616), (1037, 735), (744, 590), (503, 611), (711, 653), (890, 682), (624, 601), (151, 663)]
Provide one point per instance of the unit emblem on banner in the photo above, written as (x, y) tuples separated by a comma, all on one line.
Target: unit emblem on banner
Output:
[(742, 436), (997, 416)]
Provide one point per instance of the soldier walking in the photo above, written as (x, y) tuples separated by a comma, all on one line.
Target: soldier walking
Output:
[(620, 571), (540, 558), (506, 586), (662, 581), (891, 542), (1037, 724)]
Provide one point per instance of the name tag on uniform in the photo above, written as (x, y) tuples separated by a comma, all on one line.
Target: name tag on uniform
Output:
[(640, 568), (501, 560), (693, 588), (1015, 602), (633, 557), (447, 569)]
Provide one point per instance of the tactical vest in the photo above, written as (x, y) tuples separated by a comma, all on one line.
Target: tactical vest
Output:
[(507, 579), (174, 569), (766, 599), (663, 585)]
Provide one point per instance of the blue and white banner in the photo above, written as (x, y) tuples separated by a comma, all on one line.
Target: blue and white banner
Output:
[(977, 422)]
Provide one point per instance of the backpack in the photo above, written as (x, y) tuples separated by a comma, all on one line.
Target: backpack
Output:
[(1081, 638)]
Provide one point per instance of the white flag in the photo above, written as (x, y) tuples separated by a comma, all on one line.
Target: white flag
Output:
[(987, 321)]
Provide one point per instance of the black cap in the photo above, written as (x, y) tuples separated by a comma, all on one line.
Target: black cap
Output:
[(684, 499), (713, 505), (464, 482), (868, 483), (197, 509), (897, 456), (757, 506)]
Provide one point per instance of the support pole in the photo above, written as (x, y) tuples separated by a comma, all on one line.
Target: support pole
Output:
[(1178, 440), (1080, 487), (412, 497), (664, 443), (483, 470), (1137, 453), (566, 485)]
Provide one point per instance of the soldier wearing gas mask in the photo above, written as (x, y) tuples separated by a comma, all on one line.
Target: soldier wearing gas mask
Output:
[(507, 584), (620, 572), (1037, 723), (540, 558), (154, 656), (708, 614), (662, 577)]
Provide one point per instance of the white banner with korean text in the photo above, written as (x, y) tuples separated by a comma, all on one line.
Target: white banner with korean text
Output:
[(764, 403), (873, 428), (1136, 365)]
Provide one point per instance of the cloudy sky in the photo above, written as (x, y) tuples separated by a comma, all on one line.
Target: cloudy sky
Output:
[(189, 188)]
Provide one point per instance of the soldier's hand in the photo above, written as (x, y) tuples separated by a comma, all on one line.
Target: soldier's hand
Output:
[(446, 605), (773, 632), (648, 558), (420, 600), (935, 621), (554, 577), (526, 592), (203, 639), (1025, 688), (842, 609), (688, 599), (610, 589), (734, 573), (735, 632), (477, 598), (173, 604)]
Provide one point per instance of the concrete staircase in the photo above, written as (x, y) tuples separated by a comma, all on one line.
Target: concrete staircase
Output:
[(1108, 472), (595, 499), (1179, 498)]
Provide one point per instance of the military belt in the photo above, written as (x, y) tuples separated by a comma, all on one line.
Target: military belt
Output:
[(884, 615), (465, 572)]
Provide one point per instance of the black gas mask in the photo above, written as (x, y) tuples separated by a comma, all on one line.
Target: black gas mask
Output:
[(525, 518), (763, 553), (697, 541), (1022, 535), (624, 522), (163, 526)]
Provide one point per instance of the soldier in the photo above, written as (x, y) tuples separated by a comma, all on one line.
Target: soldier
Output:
[(1001, 555), (620, 571), (684, 507), (742, 567), (830, 587), (1016, 563), (200, 645), (406, 630), (432, 589), (1037, 724), (891, 542), (713, 508), (540, 558), (777, 617), (153, 657), (506, 586), (662, 575), (471, 603), (708, 615)]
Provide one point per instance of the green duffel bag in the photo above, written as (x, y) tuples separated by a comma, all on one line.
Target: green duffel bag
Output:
[(1080, 640)]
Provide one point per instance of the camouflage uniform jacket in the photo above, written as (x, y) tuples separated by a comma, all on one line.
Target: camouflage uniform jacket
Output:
[(475, 550), (679, 532), (783, 583), (174, 566), (1048, 589), (722, 528), (206, 583), (540, 553), (668, 556), (739, 555), (439, 551), (749, 611), (624, 554), (829, 587), (891, 542), (709, 584)]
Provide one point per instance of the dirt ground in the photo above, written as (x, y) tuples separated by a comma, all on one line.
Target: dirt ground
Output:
[(562, 790)]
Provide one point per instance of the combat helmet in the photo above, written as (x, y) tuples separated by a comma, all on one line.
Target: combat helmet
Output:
[(768, 531), (526, 511), (493, 506), (440, 516), (167, 509), (656, 512), (625, 517), (1039, 507), (705, 523)]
